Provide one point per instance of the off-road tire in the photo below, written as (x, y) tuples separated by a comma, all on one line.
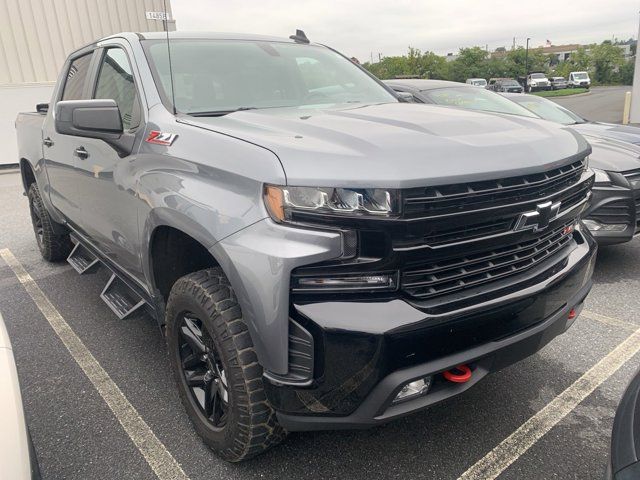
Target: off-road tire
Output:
[(53, 247), (251, 426)]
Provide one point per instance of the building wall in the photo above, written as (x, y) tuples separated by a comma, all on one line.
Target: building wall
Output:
[(37, 35)]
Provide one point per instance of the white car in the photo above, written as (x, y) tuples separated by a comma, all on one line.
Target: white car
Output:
[(477, 82), (537, 81), (579, 79), (17, 457)]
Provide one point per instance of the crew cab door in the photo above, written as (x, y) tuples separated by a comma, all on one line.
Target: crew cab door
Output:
[(58, 150), (105, 179)]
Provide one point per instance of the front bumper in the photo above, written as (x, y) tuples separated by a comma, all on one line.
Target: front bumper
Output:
[(614, 205), (366, 351)]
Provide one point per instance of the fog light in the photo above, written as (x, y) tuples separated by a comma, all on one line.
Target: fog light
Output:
[(413, 389), (596, 226)]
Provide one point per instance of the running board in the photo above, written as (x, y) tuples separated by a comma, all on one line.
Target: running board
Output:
[(122, 300), (82, 260)]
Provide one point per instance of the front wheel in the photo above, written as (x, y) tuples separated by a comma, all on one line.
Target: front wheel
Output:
[(216, 368)]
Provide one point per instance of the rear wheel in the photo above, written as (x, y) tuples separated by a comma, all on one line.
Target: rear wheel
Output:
[(216, 368), (53, 247)]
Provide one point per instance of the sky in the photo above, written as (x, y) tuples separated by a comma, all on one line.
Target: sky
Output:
[(366, 28)]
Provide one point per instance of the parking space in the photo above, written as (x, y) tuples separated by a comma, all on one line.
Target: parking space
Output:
[(78, 434)]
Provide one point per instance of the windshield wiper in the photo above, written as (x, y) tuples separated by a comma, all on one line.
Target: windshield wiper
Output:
[(220, 113)]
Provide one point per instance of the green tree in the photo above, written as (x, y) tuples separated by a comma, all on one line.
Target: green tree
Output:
[(471, 63), (517, 59), (625, 74), (607, 59), (434, 66), (580, 60)]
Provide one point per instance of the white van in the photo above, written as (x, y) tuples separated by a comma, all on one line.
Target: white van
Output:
[(579, 79), (477, 82)]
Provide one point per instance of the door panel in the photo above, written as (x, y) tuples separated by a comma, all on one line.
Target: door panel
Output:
[(105, 180), (59, 154)]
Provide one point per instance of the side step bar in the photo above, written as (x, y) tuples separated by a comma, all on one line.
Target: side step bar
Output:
[(119, 295), (82, 260), (120, 298)]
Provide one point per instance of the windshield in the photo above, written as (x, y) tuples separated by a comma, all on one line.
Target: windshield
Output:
[(474, 99), (219, 76), (580, 76), (547, 109), (479, 83), (510, 83), (537, 75)]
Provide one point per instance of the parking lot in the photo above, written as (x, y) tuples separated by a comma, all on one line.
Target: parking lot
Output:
[(603, 104), (549, 416)]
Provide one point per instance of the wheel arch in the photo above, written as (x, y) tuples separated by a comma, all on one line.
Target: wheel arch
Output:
[(27, 174), (163, 222)]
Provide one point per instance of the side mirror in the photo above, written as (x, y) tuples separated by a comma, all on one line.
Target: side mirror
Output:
[(94, 119), (405, 97)]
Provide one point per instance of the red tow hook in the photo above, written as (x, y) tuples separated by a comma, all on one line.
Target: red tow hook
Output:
[(459, 374)]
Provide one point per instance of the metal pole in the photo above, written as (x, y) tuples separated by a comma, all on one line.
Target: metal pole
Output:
[(634, 116), (526, 59)]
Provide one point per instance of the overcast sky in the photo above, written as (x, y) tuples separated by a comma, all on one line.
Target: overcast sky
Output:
[(362, 27)]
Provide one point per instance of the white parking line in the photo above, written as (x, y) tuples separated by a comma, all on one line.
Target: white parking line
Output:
[(512, 447), (613, 322), (154, 452)]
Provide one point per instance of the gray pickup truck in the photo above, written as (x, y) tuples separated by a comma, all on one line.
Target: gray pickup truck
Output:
[(319, 254)]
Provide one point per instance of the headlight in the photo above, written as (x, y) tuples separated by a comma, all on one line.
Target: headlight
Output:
[(283, 202), (601, 176)]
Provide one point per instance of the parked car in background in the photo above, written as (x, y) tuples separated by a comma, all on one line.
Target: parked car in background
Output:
[(624, 459), (549, 110), (17, 456), (614, 213), (477, 82), (505, 85), (558, 83), (579, 79), (318, 254), (455, 94), (537, 81)]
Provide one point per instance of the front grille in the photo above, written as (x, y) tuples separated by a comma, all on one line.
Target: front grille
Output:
[(501, 207), (447, 276), (612, 213), (465, 197)]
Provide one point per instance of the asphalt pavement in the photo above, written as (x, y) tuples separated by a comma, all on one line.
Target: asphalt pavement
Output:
[(602, 104), (77, 436)]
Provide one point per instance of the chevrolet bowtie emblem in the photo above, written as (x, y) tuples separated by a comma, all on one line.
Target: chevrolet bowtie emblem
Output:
[(538, 219)]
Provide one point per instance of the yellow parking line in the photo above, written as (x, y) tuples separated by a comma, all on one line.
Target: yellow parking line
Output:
[(152, 449), (516, 444)]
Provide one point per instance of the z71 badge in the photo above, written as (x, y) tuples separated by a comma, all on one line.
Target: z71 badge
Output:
[(161, 138)]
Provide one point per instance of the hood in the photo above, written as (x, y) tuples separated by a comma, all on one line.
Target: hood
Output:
[(613, 155), (624, 133), (399, 145)]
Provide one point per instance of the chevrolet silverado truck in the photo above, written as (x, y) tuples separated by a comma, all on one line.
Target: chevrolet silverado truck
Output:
[(319, 254)]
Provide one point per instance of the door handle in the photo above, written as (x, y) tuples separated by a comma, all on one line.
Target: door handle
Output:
[(47, 142), (81, 153)]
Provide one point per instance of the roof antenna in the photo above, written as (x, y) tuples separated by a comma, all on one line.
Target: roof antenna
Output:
[(166, 29), (299, 37)]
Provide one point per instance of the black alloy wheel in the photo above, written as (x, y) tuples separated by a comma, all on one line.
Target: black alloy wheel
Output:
[(203, 371)]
